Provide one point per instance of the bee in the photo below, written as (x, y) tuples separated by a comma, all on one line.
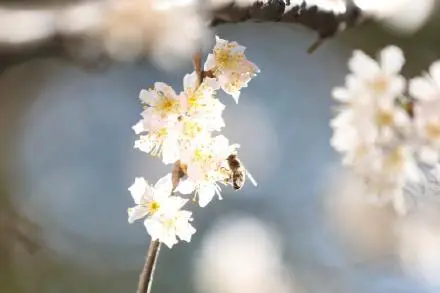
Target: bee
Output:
[(238, 172)]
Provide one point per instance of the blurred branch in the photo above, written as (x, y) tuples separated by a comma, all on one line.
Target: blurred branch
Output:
[(326, 23), (58, 30)]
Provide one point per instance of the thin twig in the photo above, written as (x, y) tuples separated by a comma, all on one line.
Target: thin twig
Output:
[(147, 274), (197, 62)]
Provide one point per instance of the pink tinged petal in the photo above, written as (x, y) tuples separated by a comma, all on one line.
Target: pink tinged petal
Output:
[(136, 213), (212, 84), (206, 192), (138, 189), (363, 65), (434, 70), (162, 87), (392, 59), (147, 97), (422, 89), (185, 187)]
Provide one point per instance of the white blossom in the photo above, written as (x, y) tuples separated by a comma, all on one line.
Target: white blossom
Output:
[(426, 91), (372, 130), (170, 224), (381, 79), (164, 218), (149, 200), (231, 67), (159, 119), (200, 102)]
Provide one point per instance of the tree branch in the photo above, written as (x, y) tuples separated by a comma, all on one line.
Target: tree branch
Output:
[(147, 274), (73, 23), (327, 24)]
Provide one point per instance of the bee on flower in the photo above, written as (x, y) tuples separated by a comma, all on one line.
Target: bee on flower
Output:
[(179, 128), (206, 168), (229, 65)]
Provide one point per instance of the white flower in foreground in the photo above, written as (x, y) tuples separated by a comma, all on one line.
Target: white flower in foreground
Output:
[(426, 91), (150, 200), (231, 67), (206, 167), (170, 224), (165, 221), (379, 79)]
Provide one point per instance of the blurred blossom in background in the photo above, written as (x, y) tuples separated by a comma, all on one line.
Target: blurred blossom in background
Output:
[(241, 254), (67, 158)]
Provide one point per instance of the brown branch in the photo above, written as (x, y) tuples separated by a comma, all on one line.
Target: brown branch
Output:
[(327, 24), (197, 63), (147, 274)]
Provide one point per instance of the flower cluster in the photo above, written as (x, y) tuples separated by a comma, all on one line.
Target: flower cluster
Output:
[(387, 128), (182, 129)]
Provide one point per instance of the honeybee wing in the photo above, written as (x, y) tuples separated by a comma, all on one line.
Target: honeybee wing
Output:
[(251, 178), (249, 175)]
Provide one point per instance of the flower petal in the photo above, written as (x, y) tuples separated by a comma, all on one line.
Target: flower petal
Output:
[(139, 188), (184, 230), (392, 59), (154, 227), (341, 94), (190, 81), (210, 62), (147, 97), (434, 70), (170, 149), (163, 186), (363, 65), (429, 155), (206, 192), (421, 88), (136, 213), (185, 187), (139, 127)]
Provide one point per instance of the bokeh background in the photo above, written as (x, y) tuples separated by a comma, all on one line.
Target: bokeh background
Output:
[(67, 159)]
